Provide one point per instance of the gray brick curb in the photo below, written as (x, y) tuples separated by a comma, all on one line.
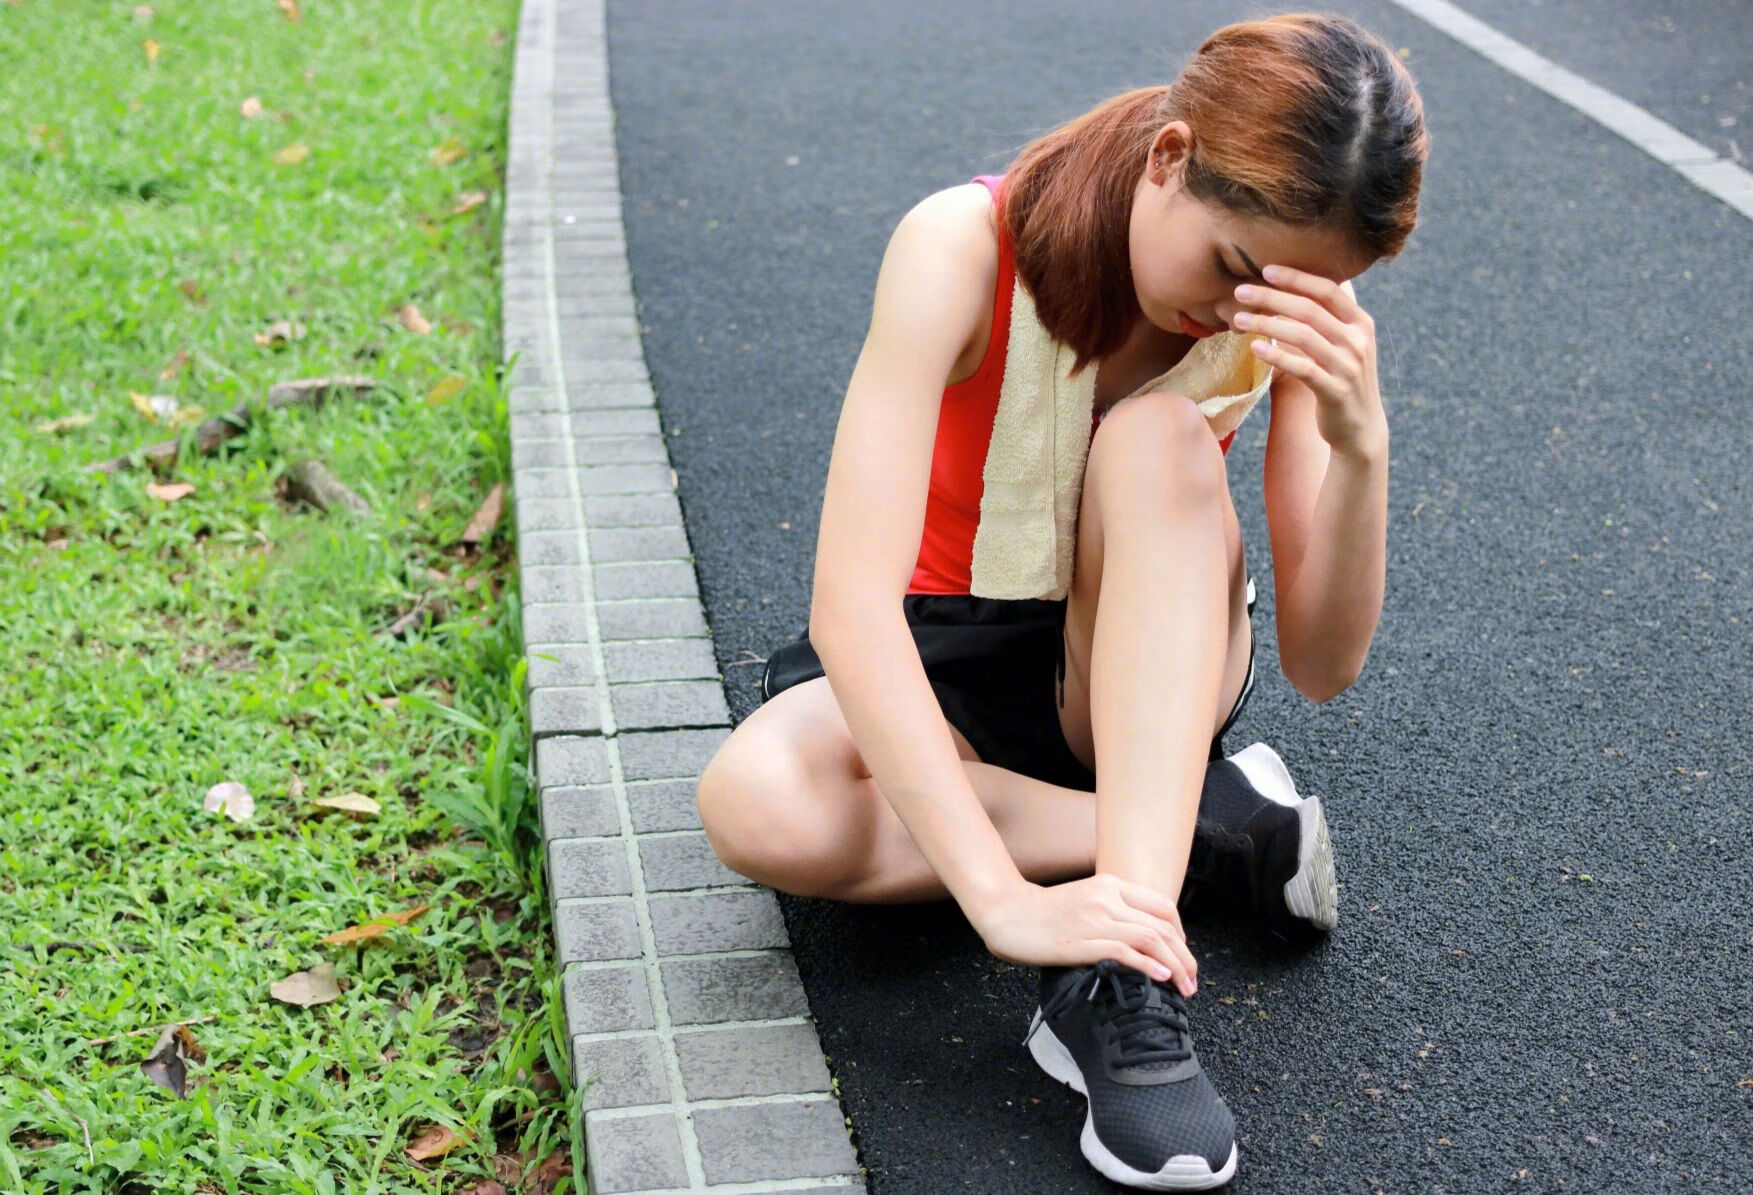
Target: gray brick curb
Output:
[(701, 1067)]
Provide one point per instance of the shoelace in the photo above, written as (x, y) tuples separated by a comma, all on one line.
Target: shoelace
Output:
[(1143, 1034)]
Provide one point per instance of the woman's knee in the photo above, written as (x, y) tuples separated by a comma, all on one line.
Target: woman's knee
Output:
[(771, 820), (1159, 444)]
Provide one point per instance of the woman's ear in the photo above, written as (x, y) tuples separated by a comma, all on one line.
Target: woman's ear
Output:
[(1168, 152)]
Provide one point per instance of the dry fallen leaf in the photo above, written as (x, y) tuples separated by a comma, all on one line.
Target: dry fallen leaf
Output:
[(296, 788), (174, 366), (450, 151), (413, 320), (176, 491), (446, 388), (153, 406), (50, 427), (435, 1142), (375, 927), (355, 805), (228, 795), (469, 202), (158, 407), (290, 8), (164, 1066), (307, 988), (281, 332), (292, 155), (143, 12), (251, 107), (192, 293), (487, 517), (151, 51)]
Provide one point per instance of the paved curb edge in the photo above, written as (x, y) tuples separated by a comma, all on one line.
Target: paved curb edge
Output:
[(689, 1026)]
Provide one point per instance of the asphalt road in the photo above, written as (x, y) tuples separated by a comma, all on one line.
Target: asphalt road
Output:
[(1538, 790)]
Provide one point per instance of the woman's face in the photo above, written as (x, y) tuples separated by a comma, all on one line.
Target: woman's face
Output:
[(1188, 258)]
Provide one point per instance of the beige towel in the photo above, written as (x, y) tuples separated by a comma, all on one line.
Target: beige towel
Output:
[(1025, 544)]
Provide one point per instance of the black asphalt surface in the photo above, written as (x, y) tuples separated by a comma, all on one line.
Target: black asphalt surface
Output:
[(1539, 788)]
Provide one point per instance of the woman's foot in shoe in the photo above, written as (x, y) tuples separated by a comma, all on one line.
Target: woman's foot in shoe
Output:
[(1121, 1040), (1258, 847)]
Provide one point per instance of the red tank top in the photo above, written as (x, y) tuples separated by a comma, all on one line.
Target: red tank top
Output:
[(964, 433)]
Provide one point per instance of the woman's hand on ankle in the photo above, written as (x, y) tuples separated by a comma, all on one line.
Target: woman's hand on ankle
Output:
[(1085, 921)]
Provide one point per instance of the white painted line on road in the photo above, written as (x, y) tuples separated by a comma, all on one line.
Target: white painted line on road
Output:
[(1696, 162)]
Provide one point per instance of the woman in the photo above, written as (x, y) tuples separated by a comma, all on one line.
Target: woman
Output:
[(1204, 232)]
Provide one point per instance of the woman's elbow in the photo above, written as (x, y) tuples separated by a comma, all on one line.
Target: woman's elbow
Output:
[(1321, 685)]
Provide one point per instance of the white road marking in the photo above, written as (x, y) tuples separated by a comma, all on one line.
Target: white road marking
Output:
[(1696, 162)]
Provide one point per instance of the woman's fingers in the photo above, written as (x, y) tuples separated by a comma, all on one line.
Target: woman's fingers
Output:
[(1149, 900), (1330, 355), (1166, 949), (1128, 956), (1323, 318)]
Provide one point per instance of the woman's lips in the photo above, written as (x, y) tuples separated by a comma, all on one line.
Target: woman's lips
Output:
[(1196, 329)]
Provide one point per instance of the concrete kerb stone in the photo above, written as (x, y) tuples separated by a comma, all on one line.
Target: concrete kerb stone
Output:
[(700, 1066)]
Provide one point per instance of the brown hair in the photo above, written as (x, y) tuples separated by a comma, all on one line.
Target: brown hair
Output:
[(1302, 118)]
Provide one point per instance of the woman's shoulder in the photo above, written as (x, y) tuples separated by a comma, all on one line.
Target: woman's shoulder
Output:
[(966, 213), (963, 221)]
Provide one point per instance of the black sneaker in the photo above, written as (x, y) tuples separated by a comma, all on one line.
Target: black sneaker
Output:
[(1121, 1041), (1259, 847)]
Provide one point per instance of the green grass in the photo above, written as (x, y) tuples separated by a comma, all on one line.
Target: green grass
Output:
[(150, 649)]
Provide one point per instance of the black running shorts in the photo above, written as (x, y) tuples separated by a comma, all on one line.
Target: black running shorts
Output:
[(994, 665)]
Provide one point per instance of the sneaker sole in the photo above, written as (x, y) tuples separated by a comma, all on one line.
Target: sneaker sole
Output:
[(1312, 894), (1183, 1172)]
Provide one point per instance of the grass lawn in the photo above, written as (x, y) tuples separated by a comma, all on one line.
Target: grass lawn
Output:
[(197, 201)]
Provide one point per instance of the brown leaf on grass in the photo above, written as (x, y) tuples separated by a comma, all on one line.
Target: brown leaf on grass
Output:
[(228, 795), (174, 491), (485, 1187), (290, 8), (446, 388), (355, 805), (143, 12), (251, 107), (486, 518), (50, 427), (438, 608), (413, 320), (292, 155), (280, 333), (375, 927), (174, 366), (164, 1066), (296, 788), (468, 202), (192, 293), (307, 988), (545, 1177), (450, 151), (435, 1142), (152, 49)]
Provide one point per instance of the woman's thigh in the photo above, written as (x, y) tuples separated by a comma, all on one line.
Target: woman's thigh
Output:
[(804, 724)]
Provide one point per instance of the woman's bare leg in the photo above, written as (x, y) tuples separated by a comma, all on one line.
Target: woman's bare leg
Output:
[(1049, 830)]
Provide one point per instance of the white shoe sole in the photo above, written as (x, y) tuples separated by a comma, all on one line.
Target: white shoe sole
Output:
[(1312, 894), (1183, 1172)]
